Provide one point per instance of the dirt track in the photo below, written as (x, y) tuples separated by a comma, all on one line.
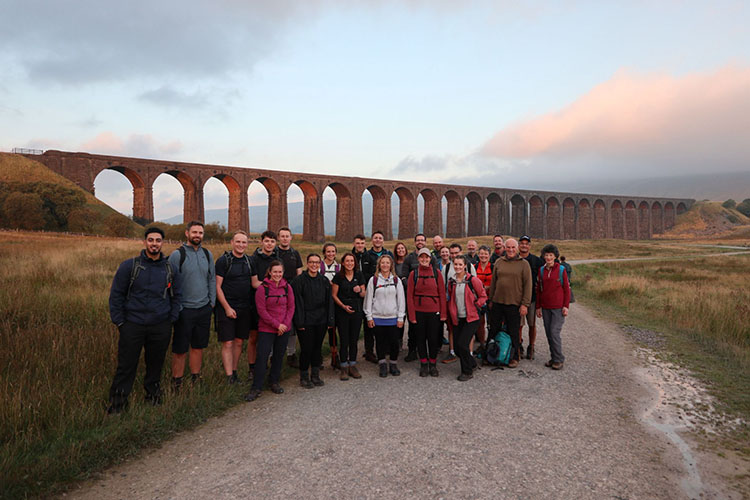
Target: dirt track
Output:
[(524, 433)]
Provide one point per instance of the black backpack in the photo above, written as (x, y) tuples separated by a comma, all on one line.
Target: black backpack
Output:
[(136, 270), (183, 254)]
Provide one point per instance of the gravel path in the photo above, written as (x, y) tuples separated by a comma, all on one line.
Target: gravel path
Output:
[(524, 433)]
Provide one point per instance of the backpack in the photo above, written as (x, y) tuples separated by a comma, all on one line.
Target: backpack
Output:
[(136, 270), (183, 254), (278, 297), (499, 350), (229, 256), (480, 310), (416, 278), (375, 283), (541, 275)]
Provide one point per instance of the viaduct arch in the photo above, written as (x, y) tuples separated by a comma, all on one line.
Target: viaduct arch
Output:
[(543, 214)]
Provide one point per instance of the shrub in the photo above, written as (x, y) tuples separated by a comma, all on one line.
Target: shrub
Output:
[(744, 207), (730, 203), (24, 211), (118, 225), (82, 220)]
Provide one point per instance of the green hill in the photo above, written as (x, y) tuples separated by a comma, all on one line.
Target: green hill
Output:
[(36, 198)]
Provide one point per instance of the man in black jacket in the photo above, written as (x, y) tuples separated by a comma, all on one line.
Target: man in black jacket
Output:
[(144, 302)]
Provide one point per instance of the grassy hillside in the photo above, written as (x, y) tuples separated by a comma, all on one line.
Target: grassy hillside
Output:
[(66, 207), (708, 219)]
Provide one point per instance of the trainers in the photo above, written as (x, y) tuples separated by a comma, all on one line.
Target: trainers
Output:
[(424, 370), (557, 366), (412, 356), (450, 358), (383, 370), (394, 370), (353, 372), (252, 395), (433, 370), (292, 361), (464, 377), (513, 363), (277, 389)]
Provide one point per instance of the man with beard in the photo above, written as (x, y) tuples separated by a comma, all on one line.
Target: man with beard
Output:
[(471, 252), (194, 265), (144, 302), (497, 242), (437, 245)]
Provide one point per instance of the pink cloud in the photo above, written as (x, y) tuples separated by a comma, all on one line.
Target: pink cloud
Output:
[(140, 145), (665, 120)]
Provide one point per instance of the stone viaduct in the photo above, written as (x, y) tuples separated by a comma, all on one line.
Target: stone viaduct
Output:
[(543, 214)]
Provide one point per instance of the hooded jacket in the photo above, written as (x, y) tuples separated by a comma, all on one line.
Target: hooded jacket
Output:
[(278, 308), (313, 304), (385, 300)]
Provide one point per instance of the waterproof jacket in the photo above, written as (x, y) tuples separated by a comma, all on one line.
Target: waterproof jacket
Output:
[(313, 304), (385, 300), (150, 301), (550, 293), (427, 295), (278, 308), (473, 300), (359, 258)]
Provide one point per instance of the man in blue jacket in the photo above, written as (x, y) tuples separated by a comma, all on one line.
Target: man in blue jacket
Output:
[(144, 302)]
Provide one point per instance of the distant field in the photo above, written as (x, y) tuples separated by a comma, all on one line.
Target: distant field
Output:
[(58, 347)]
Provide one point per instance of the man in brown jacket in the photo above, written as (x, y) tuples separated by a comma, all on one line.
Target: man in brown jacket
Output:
[(510, 295)]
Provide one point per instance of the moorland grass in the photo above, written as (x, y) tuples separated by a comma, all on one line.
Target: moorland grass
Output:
[(701, 306)]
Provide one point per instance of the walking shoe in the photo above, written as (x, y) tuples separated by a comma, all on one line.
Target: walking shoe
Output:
[(304, 380), (344, 375), (292, 361), (450, 358), (464, 377), (252, 395), (371, 357), (513, 363), (530, 352), (433, 370), (353, 372), (424, 370), (116, 409), (412, 356), (232, 379), (520, 351), (277, 389), (557, 366), (335, 363), (383, 370), (250, 373), (176, 384), (446, 341), (548, 364), (154, 399), (315, 377), (394, 370), (195, 378)]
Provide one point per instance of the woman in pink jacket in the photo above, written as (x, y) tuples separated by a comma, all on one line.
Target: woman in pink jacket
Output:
[(274, 300), (466, 296)]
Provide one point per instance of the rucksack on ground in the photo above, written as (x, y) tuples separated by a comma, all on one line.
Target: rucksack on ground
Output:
[(499, 349)]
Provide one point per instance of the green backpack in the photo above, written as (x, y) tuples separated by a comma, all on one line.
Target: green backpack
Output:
[(499, 349)]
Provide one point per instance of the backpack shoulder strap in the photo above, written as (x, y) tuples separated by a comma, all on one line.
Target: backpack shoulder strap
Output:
[(168, 289), (208, 255), (181, 249), (561, 275), (134, 272)]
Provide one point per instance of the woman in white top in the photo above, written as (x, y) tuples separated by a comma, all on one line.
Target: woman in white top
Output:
[(385, 308)]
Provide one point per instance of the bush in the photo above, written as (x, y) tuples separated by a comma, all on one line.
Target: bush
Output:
[(214, 231), (82, 220), (744, 207), (24, 211), (730, 203), (118, 225)]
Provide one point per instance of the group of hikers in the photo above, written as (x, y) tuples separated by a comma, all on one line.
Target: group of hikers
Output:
[(269, 302)]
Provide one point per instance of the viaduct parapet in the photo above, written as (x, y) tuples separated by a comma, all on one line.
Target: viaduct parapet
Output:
[(543, 214)]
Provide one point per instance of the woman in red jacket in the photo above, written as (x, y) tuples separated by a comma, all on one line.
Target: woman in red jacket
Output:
[(425, 306), (552, 302), (466, 297)]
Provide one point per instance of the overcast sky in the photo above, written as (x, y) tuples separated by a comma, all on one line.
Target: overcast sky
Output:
[(491, 93)]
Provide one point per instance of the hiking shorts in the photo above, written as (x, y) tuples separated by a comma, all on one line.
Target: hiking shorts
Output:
[(192, 329), (228, 329), (530, 317)]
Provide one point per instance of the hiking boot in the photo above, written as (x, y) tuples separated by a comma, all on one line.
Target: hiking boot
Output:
[(464, 377), (276, 388), (412, 356), (195, 378), (520, 351), (513, 363), (315, 377), (353, 372), (344, 375), (383, 370), (433, 370), (394, 370), (450, 358), (557, 366), (118, 403), (424, 369), (176, 384), (371, 357), (232, 379), (335, 363), (530, 352), (548, 364), (252, 395), (304, 380), (292, 361)]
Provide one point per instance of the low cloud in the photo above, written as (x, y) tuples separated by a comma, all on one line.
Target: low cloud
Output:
[(140, 145)]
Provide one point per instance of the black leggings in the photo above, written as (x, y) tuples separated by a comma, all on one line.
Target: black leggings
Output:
[(428, 334), (348, 326), (462, 334), (310, 342), (386, 342)]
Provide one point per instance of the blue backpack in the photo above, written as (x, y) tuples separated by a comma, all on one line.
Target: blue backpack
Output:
[(499, 349)]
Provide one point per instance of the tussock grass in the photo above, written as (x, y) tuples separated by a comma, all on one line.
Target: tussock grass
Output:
[(703, 308)]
